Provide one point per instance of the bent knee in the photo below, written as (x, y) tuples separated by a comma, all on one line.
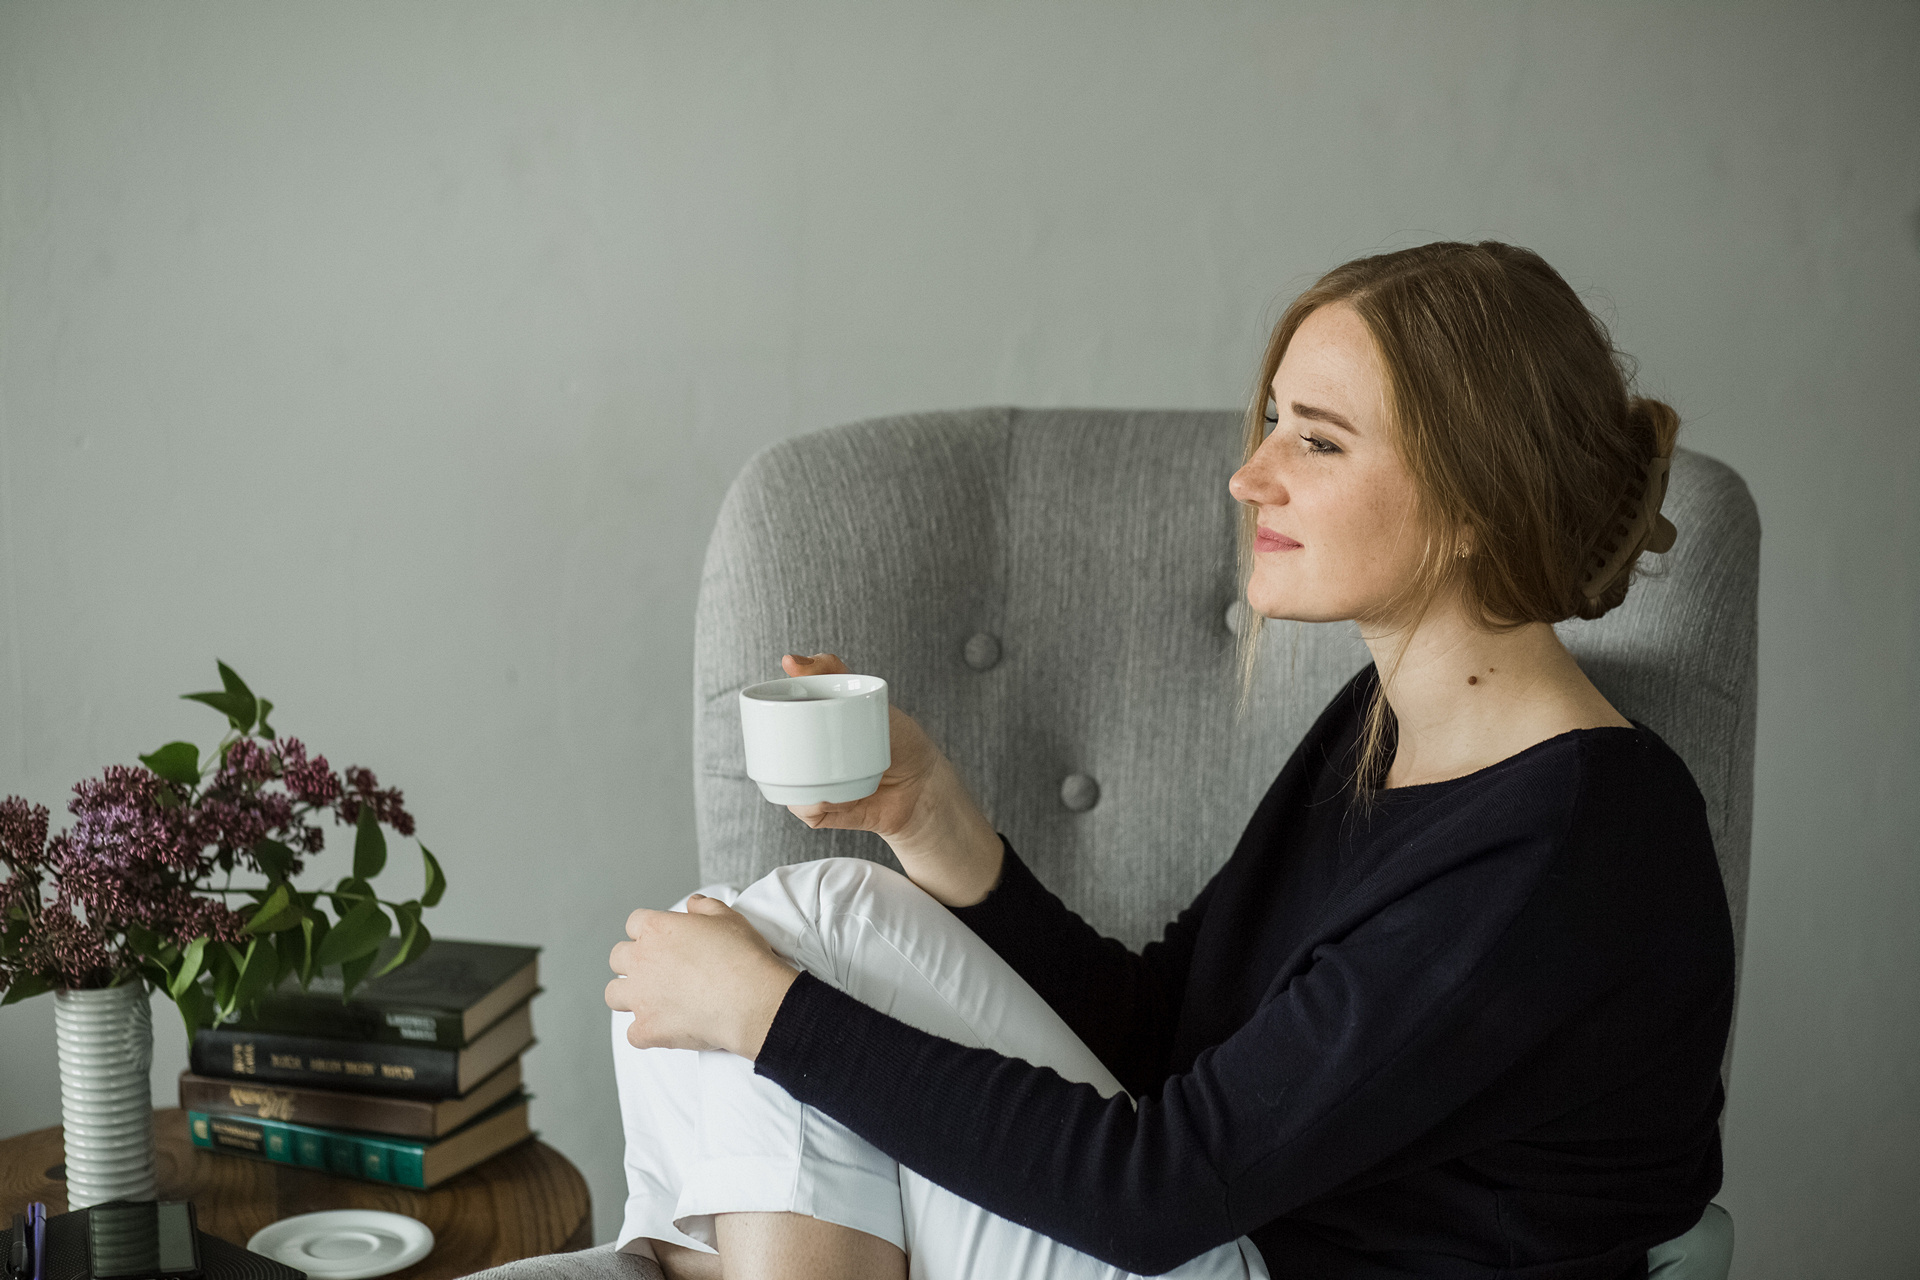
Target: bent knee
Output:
[(826, 885)]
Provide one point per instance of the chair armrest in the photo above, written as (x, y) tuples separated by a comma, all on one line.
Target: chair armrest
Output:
[(598, 1263)]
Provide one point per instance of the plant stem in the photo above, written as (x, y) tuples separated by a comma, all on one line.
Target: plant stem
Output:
[(325, 893)]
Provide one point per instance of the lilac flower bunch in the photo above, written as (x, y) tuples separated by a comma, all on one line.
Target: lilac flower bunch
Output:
[(128, 892)]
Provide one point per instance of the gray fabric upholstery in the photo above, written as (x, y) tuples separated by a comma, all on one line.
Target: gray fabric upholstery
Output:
[(1049, 593), (597, 1263)]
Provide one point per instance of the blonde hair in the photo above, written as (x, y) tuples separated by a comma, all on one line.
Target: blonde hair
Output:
[(1513, 413)]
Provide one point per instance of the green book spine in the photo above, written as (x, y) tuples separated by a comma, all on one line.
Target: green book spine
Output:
[(391, 1160)]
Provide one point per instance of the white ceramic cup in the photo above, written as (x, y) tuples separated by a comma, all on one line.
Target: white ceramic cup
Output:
[(813, 739)]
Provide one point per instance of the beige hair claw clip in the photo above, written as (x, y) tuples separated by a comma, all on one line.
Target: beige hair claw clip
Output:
[(1640, 527)]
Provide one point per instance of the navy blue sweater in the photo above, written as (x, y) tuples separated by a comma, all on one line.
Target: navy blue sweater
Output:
[(1473, 1031)]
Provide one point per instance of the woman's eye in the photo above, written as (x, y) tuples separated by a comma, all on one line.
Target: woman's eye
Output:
[(1315, 444)]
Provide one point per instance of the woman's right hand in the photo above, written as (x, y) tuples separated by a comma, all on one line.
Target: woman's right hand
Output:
[(921, 809)]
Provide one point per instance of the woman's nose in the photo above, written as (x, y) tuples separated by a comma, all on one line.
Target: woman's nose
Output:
[(1256, 483), (1237, 486)]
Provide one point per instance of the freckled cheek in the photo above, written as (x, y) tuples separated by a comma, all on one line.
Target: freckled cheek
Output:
[(1360, 532)]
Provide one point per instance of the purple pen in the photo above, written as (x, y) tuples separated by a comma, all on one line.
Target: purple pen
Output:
[(37, 1228)]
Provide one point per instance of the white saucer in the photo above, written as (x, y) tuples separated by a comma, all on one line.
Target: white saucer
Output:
[(345, 1244)]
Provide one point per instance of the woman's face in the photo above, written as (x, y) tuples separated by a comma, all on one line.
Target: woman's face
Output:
[(1337, 535)]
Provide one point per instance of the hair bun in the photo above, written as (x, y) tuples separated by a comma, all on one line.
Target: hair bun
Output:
[(1640, 526)]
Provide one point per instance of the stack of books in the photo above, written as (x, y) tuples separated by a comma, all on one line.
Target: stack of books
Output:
[(414, 1079)]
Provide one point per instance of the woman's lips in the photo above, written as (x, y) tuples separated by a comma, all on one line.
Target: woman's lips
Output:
[(1268, 540)]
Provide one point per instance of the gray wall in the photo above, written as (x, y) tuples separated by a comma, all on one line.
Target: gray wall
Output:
[(400, 353)]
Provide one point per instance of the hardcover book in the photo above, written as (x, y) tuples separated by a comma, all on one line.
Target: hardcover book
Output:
[(404, 1162), (446, 997), (336, 1109), (360, 1066)]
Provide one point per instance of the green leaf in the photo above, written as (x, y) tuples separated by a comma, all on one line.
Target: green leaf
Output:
[(276, 913), (258, 972), (291, 944), (194, 1009), (143, 942), (223, 962), (369, 846), (239, 713), (266, 730), (25, 987), (190, 962), (274, 859), (235, 686), (360, 932), (436, 879), (352, 972), (349, 893), (313, 930), (176, 762), (407, 915), (227, 976)]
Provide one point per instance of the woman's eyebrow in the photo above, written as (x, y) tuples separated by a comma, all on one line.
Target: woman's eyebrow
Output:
[(1323, 415)]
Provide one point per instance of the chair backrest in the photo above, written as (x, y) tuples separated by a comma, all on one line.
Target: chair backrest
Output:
[(1052, 594)]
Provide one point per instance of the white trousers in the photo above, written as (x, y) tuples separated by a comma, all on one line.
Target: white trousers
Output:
[(705, 1135)]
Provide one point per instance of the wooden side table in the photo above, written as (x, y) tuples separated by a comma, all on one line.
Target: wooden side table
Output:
[(523, 1202)]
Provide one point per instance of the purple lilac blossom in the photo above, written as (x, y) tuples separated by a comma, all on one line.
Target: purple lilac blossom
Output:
[(141, 846), (364, 788)]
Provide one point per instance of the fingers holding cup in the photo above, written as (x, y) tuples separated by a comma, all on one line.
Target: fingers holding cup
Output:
[(819, 664)]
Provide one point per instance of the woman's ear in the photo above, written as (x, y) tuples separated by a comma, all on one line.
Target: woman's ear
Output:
[(1459, 540)]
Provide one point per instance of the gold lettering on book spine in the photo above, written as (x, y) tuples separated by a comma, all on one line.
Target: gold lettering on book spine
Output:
[(243, 1058), (266, 1103), (393, 1072), (244, 1137)]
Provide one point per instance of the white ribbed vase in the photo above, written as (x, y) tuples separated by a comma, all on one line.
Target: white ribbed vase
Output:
[(105, 1042)]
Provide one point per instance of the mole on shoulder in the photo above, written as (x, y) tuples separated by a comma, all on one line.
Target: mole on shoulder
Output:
[(1473, 679)]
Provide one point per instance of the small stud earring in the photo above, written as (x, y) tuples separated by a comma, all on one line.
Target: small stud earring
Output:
[(1464, 551)]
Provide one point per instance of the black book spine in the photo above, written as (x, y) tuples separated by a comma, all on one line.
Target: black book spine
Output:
[(400, 1070), (325, 1015)]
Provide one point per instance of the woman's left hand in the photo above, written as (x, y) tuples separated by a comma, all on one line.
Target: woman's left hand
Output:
[(699, 979)]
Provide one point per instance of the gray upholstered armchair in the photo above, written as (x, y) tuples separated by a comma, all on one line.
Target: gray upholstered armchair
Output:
[(1052, 594)]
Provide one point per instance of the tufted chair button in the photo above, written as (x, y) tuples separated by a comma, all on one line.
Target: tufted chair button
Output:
[(1079, 792), (982, 652)]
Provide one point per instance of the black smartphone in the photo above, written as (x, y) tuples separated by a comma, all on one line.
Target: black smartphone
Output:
[(142, 1240)]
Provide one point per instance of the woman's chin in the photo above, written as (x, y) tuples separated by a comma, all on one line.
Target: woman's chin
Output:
[(1296, 610), (1273, 605)]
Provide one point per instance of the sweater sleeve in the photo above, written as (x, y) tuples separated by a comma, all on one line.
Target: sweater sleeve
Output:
[(1123, 1006), (1381, 1036)]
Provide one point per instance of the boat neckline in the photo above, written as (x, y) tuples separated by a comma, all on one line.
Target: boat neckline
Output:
[(1416, 789)]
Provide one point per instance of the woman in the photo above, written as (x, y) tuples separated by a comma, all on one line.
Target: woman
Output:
[(1455, 1005)]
